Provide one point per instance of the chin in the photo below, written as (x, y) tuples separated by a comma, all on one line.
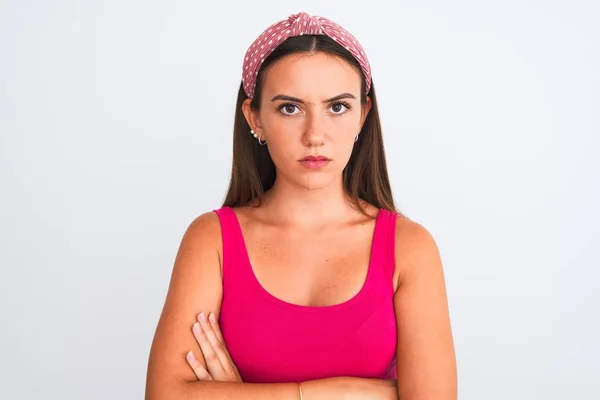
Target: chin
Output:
[(310, 180), (316, 182)]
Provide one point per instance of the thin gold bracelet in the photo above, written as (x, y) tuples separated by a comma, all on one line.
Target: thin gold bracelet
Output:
[(300, 389)]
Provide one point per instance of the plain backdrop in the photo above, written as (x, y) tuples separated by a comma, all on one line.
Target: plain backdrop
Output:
[(116, 129)]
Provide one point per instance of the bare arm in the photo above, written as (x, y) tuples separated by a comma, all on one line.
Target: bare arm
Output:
[(339, 388), (195, 286), (425, 356)]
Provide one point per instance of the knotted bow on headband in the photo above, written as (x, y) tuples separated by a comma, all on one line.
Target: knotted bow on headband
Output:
[(297, 25)]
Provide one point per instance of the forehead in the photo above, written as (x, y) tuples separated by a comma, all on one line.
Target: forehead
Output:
[(316, 75)]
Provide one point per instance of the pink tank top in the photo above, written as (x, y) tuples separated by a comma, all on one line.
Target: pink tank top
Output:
[(271, 340)]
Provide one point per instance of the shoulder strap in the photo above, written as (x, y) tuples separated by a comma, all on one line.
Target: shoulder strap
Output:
[(230, 238), (385, 243)]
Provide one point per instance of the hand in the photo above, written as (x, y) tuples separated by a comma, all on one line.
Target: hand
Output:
[(219, 366)]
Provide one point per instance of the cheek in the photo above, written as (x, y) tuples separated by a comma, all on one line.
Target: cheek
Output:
[(283, 147), (344, 134), (344, 151), (284, 138)]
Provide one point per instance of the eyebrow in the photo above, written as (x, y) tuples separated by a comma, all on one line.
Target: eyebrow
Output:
[(297, 100)]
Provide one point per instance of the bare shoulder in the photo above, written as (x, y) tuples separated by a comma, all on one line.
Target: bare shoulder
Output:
[(205, 225), (203, 234), (415, 248)]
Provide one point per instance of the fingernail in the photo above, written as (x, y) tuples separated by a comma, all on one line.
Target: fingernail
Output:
[(212, 318), (203, 317), (196, 328), (190, 356)]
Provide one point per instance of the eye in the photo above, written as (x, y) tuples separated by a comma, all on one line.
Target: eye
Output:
[(287, 109), (340, 107), (337, 108)]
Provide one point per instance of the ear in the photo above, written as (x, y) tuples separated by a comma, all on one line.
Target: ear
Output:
[(251, 116), (365, 108)]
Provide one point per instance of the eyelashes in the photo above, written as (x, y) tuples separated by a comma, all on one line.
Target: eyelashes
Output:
[(283, 107)]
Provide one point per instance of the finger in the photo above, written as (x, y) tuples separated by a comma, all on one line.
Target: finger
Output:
[(217, 329), (218, 348), (212, 318), (213, 362), (213, 365), (200, 372), (207, 351)]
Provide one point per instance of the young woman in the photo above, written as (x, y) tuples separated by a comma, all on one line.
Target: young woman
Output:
[(307, 283)]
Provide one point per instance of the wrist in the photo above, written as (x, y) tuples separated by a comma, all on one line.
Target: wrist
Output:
[(338, 388)]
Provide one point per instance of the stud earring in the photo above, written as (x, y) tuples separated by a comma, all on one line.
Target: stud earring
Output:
[(260, 141)]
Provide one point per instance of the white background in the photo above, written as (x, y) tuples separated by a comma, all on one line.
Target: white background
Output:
[(115, 133)]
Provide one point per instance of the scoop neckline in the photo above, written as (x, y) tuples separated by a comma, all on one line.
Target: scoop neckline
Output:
[(300, 307)]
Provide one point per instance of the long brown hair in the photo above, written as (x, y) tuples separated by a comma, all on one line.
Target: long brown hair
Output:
[(253, 171)]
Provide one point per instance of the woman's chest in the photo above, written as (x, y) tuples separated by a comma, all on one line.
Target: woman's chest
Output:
[(272, 343), (310, 271)]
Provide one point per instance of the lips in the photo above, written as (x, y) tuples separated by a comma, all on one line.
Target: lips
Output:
[(315, 158), (315, 162)]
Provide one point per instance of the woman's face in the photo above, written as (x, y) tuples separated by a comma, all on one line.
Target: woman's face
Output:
[(310, 106)]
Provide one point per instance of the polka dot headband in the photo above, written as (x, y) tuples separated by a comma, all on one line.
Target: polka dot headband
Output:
[(298, 25)]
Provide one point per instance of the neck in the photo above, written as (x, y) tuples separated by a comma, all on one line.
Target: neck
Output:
[(294, 205)]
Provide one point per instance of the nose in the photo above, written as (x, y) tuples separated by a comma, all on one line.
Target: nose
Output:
[(314, 132)]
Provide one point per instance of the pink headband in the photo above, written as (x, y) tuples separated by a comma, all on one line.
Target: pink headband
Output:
[(297, 25)]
